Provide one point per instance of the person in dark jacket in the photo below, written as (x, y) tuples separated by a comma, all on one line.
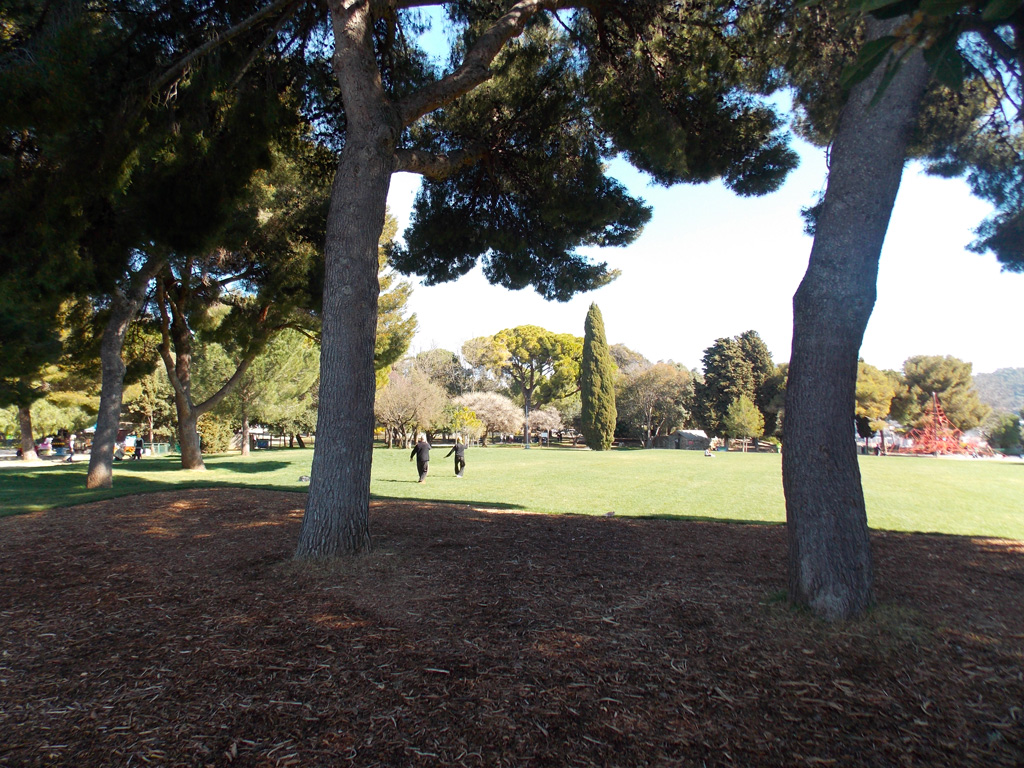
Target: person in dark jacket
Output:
[(459, 449), (421, 452)]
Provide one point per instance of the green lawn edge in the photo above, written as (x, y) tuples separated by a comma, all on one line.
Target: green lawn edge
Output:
[(981, 497)]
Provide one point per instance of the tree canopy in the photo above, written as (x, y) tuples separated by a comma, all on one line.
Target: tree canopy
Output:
[(655, 399), (497, 412), (741, 365), (970, 124), (1006, 433), (743, 419), (946, 376), (875, 391), (538, 366)]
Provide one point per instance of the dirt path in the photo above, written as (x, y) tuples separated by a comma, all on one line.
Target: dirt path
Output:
[(171, 629)]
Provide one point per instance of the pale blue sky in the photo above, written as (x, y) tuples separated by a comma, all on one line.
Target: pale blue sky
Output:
[(712, 264)]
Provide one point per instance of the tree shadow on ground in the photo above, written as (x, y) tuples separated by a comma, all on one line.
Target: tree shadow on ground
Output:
[(176, 627), (449, 503)]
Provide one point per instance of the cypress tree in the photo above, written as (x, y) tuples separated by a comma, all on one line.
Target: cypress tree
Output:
[(597, 384)]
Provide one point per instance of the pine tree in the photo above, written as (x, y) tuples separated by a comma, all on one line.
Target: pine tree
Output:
[(597, 384)]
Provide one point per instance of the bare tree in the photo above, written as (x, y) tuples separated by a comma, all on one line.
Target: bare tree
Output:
[(409, 403)]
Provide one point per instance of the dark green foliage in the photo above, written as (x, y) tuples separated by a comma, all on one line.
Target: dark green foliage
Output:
[(665, 84), (755, 351), (948, 377), (740, 366), (597, 385), (727, 376), (673, 85), (29, 340), (536, 191), (256, 275), (53, 97), (936, 26), (205, 170), (1005, 433), (106, 145)]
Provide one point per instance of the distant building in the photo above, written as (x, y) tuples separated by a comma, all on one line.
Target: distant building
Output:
[(684, 439)]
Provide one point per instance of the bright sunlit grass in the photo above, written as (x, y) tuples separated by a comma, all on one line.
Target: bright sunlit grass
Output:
[(965, 497)]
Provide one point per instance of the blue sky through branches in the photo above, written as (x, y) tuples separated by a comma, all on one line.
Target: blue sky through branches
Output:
[(712, 264)]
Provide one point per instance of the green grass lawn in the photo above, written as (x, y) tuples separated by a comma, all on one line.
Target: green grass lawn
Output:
[(980, 497)]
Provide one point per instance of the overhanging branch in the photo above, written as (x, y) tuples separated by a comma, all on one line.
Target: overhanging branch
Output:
[(218, 39), (476, 66), (432, 165)]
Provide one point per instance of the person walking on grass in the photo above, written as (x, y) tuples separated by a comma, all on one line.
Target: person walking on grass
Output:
[(421, 452), (459, 449)]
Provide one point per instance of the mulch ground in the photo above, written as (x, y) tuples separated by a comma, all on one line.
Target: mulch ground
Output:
[(172, 629)]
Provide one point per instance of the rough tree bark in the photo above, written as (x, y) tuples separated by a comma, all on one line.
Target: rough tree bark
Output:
[(179, 373), (28, 440), (175, 333), (337, 507), (245, 431), (830, 566), (124, 307), (336, 520)]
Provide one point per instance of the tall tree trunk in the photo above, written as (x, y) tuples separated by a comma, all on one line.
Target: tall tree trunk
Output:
[(337, 508), (526, 419), (188, 435), (830, 567), (173, 325), (124, 307), (245, 431), (179, 372), (108, 418), (28, 440)]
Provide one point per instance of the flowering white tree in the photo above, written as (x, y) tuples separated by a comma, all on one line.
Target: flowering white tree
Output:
[(547, 419), (497, 412)]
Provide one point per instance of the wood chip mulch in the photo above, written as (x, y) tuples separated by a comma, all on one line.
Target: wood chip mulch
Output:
[(173, 629)]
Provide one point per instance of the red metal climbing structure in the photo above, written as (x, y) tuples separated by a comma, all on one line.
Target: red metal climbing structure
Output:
[(938, 436)]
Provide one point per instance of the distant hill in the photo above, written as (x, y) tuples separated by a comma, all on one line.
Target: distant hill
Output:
[(1002, 389)]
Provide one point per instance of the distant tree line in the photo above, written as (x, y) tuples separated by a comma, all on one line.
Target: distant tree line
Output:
[(522, 380), (530, 376)]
